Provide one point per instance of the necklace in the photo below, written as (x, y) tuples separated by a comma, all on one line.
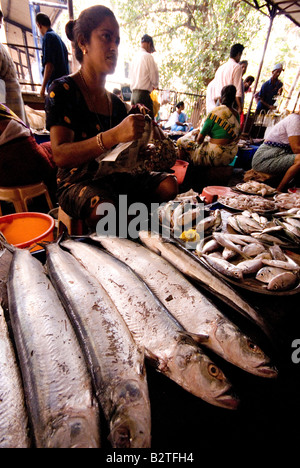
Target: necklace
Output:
[(91, 103)]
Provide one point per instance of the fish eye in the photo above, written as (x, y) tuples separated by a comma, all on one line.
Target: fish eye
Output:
[(213, 370), (252, 346)]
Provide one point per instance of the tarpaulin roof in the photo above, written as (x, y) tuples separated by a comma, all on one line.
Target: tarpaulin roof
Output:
[(289, 8)]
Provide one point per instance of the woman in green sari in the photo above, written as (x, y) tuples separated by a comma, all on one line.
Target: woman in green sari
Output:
[(217, 142)]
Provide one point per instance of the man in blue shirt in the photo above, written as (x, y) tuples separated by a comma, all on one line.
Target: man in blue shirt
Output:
[(269, 90), (55, 54)]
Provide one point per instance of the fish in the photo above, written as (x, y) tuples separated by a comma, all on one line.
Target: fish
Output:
[(201, 272), (209, 246), (267, 273), (241, 239), (59, 397), (277, 253), (190, 307), (228, 243), (282, 282), (224, 267), (167, 345), (227, 253), (249, 267), (115, 361), (14, 430), (254, 249), (281, 264), (267, 238)]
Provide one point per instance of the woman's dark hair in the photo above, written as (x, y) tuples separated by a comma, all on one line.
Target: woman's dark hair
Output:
[(249, 79), (179, 104), (83, 27), (1, 15), (228, 95)]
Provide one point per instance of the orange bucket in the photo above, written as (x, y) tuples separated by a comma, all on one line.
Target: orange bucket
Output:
[(26, 229), (180, 169)]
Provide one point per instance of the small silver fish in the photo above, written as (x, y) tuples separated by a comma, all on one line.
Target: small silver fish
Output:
[(282, 282), (224, 267), (251, 250), (267, 273), (281, 264), (250, 266)]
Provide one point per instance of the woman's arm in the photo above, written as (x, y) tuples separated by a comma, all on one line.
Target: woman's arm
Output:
[(67, 153), (295, 143)]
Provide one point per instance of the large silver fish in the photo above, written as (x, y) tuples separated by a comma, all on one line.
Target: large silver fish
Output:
[(13, 415), (190, 307), (198, 271), (57, 385), (115, 362), (166, 343)]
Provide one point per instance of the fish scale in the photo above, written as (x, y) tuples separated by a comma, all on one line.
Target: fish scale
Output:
[(59, 397), (13, 415), (114, 360), (166, 343), (190, 307)]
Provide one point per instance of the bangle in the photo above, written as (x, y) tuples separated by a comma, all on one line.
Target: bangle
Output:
[(100, 143)]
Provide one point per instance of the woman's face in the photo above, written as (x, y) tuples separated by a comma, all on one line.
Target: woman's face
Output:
[(102, 51)]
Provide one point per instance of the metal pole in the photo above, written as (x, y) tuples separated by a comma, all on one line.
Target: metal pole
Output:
[(272, 16)]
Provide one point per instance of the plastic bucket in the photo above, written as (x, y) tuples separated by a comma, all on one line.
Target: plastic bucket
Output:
[(212, 192), (25, 230), (180, 168)]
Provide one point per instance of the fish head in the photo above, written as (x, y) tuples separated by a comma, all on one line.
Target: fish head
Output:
[(71, 431), (243, 351), (199, 375), (130, 424)]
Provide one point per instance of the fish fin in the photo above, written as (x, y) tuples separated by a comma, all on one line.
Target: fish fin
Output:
[(5, 244), (198, 337), (152, 358), (141, 369)]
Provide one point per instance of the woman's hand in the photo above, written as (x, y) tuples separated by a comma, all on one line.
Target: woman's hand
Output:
[(130, 129)]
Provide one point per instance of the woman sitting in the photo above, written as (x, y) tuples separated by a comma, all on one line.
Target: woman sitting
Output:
[(85, 121), (217, 142), (280, 153), (178, 119)]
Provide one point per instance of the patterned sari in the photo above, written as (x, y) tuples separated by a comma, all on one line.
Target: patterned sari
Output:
[(212, 154)]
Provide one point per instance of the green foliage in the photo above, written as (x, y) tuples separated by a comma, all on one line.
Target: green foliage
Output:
[(191, 37)]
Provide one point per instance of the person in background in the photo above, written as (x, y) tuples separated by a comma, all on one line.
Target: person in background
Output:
[(86, 121), (144, 76), (178, 119), (279, 155), (216, 144), (55, 60), (269, 90), (210, 97), (8, 73), (118, 93), (230, 73), (248, 81)]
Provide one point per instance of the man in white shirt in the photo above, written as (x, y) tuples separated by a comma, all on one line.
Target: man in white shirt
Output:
[(144, 76), (230, 73)]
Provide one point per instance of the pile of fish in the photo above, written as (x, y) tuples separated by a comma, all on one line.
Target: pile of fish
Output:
[(248, 202), (283, 229), (181, 216), (256, 188), (240, 256), (286, 201), (82, 325)]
